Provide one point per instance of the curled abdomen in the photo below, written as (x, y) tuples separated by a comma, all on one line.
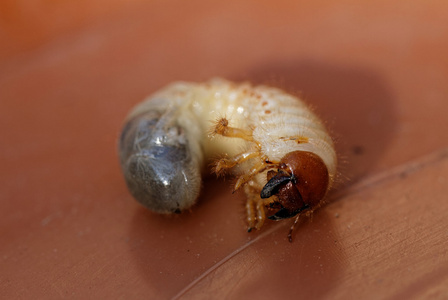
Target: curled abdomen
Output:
[(157, 164)]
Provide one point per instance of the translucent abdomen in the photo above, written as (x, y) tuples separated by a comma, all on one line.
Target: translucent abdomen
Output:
[(157, 164)]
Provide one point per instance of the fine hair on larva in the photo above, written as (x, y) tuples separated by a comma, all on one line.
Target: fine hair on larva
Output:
[(279, 151)]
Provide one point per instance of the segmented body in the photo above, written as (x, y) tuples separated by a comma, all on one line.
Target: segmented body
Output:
[(250, 129)]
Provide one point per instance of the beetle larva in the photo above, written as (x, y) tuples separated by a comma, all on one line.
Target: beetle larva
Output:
[(279, 151)]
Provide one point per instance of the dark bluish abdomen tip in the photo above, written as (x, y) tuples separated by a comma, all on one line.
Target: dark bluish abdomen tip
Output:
[(157, 163)]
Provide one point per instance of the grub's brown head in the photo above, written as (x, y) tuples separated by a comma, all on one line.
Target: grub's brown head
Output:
[(300, 183)]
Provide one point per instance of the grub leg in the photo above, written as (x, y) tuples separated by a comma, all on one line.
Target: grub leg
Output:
[(227, 163), (222, 128)]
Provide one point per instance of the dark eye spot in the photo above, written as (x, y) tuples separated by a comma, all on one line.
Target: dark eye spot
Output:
[(358, 150)]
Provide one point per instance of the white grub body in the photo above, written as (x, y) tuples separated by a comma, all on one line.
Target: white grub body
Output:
[(275, 118)]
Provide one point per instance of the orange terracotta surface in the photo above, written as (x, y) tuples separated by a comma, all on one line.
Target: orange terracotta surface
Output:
[(376, 71)]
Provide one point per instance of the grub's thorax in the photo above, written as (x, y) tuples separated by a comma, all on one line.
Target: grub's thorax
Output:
[(300, 183)]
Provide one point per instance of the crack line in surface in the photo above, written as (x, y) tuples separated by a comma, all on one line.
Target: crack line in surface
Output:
[(222, 261), (402, 170), (376, 179)]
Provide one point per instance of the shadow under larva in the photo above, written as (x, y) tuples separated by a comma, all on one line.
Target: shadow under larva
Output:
[(279, 151)]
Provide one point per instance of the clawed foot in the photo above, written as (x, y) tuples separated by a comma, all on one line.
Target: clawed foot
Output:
[(224, 164)]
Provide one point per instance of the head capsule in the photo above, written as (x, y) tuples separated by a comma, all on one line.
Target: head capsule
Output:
[(300, 183)]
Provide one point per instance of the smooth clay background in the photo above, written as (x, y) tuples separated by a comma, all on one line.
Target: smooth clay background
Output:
[(376, 71)]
